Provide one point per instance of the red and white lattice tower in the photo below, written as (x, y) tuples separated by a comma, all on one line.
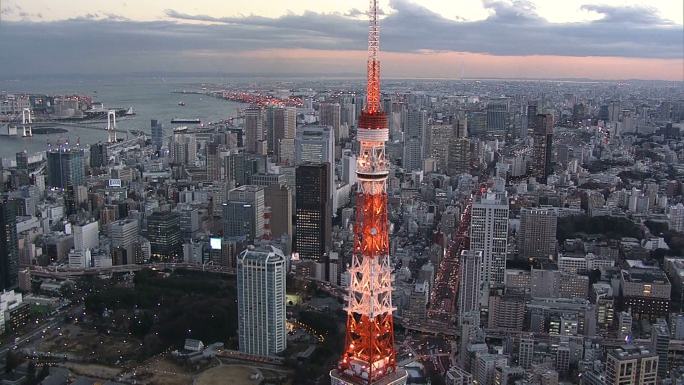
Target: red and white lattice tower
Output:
[(369, 356)]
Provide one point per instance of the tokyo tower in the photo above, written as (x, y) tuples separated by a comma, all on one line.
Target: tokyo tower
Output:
[(369, 357)]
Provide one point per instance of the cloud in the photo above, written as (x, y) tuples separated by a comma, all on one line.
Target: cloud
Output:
[(629, 15), (513, 28), (354, 12)]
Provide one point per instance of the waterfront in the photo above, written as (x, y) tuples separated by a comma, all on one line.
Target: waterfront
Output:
[(151, 98)]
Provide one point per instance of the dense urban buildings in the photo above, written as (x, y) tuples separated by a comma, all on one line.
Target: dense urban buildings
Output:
[(260, 228)]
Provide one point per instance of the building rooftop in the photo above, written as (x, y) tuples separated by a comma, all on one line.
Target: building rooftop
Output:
[(652, 276), (248, 188), (626, 352)]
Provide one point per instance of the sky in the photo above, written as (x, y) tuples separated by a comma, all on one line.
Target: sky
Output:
[(597, 39)]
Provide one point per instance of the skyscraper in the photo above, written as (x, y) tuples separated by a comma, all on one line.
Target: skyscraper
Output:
[(497, 115), (279, 199), (537, 237), (22, 161), (124, 234), (182, 149), (543, 142), (65, 166), (98, 155), (369, 356), (9, 248), (163, 232), (489, 234), (531, 116), (254, 128), (261, 301), (469, 284), (413, 154), (459, 149), (283, 122), (316, 144), (86, 236), (660, 339), (157, 134), (243, 213), (213, 160), (330, 116), (313, 228), (415, 140)]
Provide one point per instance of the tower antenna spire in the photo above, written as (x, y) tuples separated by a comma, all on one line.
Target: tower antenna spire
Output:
[(373, 82)]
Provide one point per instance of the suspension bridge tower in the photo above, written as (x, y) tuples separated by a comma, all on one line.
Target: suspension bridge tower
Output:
[(26, 122), (111, 126)]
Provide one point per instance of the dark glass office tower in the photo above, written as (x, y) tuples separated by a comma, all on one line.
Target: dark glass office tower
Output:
[(9, 249), (163, 232), (314, 214)]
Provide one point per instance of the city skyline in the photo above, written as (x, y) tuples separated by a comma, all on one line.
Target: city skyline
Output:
[(204, 195), (427, 39)]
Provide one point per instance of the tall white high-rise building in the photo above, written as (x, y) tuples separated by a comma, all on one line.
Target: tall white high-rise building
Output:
[(469, 291), (677, 217), (415, 140), (86, 237), (489, 234), (261, 301)]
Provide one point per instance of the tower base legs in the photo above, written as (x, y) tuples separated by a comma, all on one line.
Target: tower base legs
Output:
[(397, 378)]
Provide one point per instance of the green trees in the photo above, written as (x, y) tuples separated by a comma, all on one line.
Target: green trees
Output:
[(164, 311), (610, 227)]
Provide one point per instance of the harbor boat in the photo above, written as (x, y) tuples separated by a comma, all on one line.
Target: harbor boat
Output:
[(181, 103), (186, 121)]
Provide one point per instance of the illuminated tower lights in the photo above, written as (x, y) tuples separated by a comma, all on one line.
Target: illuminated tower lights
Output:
[(369, 356)]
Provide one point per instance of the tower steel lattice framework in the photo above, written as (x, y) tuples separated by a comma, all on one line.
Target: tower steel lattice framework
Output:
[(369, 356)]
